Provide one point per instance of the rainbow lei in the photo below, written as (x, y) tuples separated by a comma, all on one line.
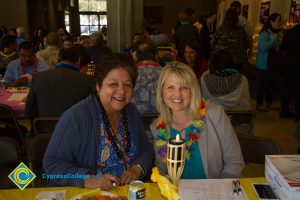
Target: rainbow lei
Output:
[(162, 138)]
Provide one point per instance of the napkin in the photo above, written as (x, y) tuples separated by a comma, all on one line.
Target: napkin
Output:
[(51, 195), (167, 189)]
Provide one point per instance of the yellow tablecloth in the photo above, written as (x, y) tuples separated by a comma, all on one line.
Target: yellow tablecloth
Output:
[(152, 191)]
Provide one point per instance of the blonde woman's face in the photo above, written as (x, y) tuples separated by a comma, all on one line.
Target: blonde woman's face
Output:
[(176, 96)]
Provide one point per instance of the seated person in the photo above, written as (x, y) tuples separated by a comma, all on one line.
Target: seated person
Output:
[(19, 72), (193, 57), (148, 72), (212, 147), (103, 135), (224, 85), (8, 51), (54, 91)]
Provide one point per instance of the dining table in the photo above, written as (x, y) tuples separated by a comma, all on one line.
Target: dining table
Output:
[(16, 100), (152, 191)]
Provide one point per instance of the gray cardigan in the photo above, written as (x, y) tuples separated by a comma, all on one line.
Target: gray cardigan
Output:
[(220, 150)]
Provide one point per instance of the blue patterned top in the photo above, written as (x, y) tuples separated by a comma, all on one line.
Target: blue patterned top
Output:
[(145, 87), (107, 159)]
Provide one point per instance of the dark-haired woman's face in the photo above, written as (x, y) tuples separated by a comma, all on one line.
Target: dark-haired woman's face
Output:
[(276, 24), (190, 55)]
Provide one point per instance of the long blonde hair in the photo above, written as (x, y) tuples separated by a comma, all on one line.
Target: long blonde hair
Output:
[(187, 78)]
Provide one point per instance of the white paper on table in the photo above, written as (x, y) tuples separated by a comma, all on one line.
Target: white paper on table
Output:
[(17, 97), (50, 195), (213, 189)]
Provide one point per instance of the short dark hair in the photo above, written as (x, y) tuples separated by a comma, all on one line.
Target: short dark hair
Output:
[(221, 60), (26, 45), (8, 40), (111, 61), (68, 54), (267, 25), (236, 4), (146, 51)]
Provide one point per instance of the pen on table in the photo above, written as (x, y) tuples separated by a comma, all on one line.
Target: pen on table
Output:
[(239, 190), (234, 187)]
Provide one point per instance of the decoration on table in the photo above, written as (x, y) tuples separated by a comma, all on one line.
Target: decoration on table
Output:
[(161, 137), (167, 189), (175, 160)]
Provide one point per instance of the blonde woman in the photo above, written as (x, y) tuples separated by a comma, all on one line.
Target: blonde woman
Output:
[(213, 150)]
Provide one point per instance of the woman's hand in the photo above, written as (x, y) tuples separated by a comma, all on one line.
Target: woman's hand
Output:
[(104, 183), (130, 175)]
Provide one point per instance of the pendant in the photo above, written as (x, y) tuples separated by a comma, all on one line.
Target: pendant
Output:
[(105, 154)]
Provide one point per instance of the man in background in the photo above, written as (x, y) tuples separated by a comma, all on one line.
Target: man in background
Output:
[(96, 48)]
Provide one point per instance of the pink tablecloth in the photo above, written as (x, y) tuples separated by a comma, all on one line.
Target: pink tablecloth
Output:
[(17, 106)]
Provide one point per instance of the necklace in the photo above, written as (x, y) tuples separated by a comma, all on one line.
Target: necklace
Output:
[(120, 151), (162, 138)]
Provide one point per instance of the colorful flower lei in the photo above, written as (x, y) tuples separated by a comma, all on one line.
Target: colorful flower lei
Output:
[(162, 138)]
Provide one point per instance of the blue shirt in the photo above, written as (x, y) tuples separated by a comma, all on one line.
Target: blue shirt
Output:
[(14, 71), (193, 168)]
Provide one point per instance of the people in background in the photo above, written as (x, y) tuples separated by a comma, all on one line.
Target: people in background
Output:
[(68, 42), (206, 34), (212, 147), (19, 72), (54, 91), (12, 32), (96, 48), (21, 34), (50, 53), (269, 37), (185, 32), (225, 85), (102, 137), (148, 72), (8, 50), (38, 37), (193, 56), (291, 72), (233, 38)]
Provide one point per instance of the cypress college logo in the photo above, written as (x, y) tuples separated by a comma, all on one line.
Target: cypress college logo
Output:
[(22, 176)]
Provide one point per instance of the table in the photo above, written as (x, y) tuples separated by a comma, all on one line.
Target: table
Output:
[(17, 106), (152, 191)]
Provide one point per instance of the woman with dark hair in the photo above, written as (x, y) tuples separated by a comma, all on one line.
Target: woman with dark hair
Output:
[(269, 37), (224, 85), (233, 38), (102, 139), (194, 58)]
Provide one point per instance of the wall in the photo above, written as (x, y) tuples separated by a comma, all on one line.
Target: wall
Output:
[(173, 7), (280, 6), (14, 13)]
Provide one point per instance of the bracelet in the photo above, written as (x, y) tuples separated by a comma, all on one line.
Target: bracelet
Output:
[(141, 168)]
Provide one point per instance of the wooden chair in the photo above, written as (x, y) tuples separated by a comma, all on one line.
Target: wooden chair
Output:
[(254, 148), (42, 125), (242, 121), (147, 120)]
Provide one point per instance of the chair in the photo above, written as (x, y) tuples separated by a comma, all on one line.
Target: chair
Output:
[(36, 148), (254, 148), (147, 120), (10, 158), (42, 125), (9, 126), (242, 121)]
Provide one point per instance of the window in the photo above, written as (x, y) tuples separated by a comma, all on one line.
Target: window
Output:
[(92, 14), (67, 20)]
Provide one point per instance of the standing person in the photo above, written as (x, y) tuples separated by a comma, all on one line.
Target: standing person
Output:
[(290, 45), (102, 137), (193, 57), (207, 32), (213, 150), (269, 37), (19, 72), (8, 51), (233, 38), (54, 91)]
